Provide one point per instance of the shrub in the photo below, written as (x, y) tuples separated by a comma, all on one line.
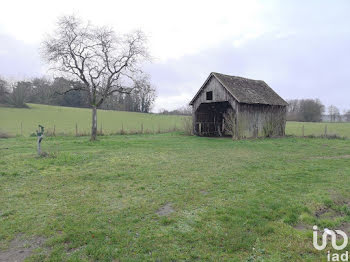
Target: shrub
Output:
[(187, 126), (230, 124)]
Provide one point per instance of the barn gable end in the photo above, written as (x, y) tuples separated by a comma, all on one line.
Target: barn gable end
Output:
[(219, 93)]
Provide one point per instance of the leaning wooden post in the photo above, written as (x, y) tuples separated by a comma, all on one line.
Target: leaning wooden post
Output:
[(325, 130), (54, 130), (76, 129), (40, 135)]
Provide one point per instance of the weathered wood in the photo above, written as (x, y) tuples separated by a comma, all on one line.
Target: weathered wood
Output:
[(251, 120), (220, 94)]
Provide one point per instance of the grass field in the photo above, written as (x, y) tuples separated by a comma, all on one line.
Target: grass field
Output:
[(65, 119), (317, 129), (170, 197)]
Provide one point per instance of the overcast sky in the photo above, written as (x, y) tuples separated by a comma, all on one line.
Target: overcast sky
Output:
[(300, 48)]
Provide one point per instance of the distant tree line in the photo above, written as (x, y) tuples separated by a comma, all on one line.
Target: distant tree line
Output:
[(308, 110), (185, 111), (312, 110), (44, 91), (141, 99)]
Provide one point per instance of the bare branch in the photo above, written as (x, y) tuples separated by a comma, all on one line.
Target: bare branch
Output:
[(96, 56)]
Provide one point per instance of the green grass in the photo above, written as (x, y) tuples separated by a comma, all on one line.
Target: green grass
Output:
[(317, 129), (232, 200), (66, 118)]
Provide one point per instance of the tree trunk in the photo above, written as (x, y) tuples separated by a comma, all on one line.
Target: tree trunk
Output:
[(94, 124)]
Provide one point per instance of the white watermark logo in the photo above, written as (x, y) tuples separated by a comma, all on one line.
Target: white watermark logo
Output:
[(333, 236)]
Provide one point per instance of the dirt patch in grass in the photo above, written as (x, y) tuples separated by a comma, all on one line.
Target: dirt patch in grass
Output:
[(19, 249), (165, 210), (340, 200), (322, 211), (336, 212), (302, 227), (329, 213), (71, 250), (345, 227)]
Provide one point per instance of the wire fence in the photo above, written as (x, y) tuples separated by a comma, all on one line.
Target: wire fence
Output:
[(299, 129)]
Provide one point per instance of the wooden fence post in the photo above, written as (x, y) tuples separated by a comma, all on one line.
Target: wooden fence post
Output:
[(54, 130), (21, 129), (141, 128), (200, 128), (76, 129), (101, 129), (303, 131), (325, 130), (223, 125)]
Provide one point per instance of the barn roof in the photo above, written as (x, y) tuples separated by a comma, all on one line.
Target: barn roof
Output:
[(246, 90)]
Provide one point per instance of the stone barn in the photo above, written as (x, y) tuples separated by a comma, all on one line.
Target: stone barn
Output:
[(239, 107)]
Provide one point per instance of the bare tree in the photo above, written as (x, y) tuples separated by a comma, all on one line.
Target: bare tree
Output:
[(146, 93), (333, 112), (293, 110), (104, 62)]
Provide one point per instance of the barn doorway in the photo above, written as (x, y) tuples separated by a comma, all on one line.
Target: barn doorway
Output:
[(209, 118)]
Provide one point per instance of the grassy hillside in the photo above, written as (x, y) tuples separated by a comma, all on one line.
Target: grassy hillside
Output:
[(65, 119), (172, 198)]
